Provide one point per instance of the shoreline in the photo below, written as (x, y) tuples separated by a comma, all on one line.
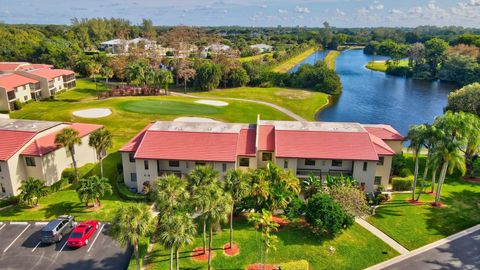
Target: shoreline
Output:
[(288, 64)]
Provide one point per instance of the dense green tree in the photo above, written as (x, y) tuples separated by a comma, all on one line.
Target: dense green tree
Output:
[(327, 216), (466, 99), (238, 77), (435, 53), (31, 190), (208, 76), (460, 69), (317, 77)]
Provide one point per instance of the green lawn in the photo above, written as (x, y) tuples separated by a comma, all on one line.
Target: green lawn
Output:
[(356, 248), (302, 102), (415, 226), (288, 64), (382, 65), (254, 57), (330, 59)]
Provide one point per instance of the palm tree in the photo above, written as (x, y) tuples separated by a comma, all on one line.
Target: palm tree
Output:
[(170, 193), (472, 136), (31, 190), (163, 78), (68, 138), (265, 223), (283, 184), (429, 139), (86, 192), (200, 202), (311, 185), (107, 72), (93, 69), (219, 206), (236, 183), (416, 135), (101, 141), (175, 232), (131, 223), (101, 186)]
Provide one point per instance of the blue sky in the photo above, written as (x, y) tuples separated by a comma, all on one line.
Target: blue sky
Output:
[(342, 13)]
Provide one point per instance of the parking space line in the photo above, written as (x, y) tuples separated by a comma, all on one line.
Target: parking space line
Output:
[(39, 242), (16, 238), (40, 223), (3, 226), (99, 232), (61, 249), (18, 223)]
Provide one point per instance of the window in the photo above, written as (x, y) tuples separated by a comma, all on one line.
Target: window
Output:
[(244, 162), (173, 163), (309, 162), (224, 167), (336, 163), (0, 168), (266, 156), (131, 157), (133, 177), (199, 163), (25, 97), (378, 180), (285, 164), (365, 166), (145, 164), (30, 161), (380, 161)]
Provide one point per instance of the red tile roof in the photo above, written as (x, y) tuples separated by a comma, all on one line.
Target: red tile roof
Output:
[(34, 66), (324, 145), (10, 66), (384, 132), (266, 138), (12, 141), (50, 74), (381, 147), (133, 144), (182, 145), (11, 81), (46, 144), (246, 142)]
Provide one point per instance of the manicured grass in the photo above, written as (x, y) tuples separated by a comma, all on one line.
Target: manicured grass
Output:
[(356, 248), (382, 65), (85, 90), (416, 225), (288, 64), (131, 114), (330, 59), (254, 57), (302, 102)]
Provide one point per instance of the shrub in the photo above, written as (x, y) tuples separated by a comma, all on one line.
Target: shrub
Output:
[(8, 201), (405, 172), (326, 216), (402, 184), (125, 193), (295, 208), (350, 198), (399, 71), (17, 105), (59, 185), (398, 163), (295, 265)]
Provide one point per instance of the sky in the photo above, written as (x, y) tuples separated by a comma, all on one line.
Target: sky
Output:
[(341, 13)]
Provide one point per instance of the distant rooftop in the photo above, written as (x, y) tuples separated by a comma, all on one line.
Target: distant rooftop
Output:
[(314, 126), (198, 127), (26, 125)]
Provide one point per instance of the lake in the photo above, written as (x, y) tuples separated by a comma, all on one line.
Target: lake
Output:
[(376, 98)]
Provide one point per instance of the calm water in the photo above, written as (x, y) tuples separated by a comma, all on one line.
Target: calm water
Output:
[(312, 59), (373, 97)]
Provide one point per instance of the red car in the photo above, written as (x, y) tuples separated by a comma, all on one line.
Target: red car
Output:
[(82, 233)]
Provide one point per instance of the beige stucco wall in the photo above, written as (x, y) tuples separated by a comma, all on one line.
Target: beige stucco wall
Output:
[(396, 146), (367, 176), (252, 163), (128, 168), (43, 82), (260, 162), (22, 93), (3, 100), (384, 170)]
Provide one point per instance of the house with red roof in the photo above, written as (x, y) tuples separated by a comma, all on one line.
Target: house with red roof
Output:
[(22, 82), (28, 149), (321, 148)]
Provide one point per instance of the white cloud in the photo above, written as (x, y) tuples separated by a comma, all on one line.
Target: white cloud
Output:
[(263, 6), (395, 11), (363, 11), (376, 5), (282, 11), (302, 9), (339, 12)]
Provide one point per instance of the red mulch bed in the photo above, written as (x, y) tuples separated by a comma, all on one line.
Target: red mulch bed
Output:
[(439, 204), (198, 255), (414, 202), (258, 266), (231, 251), (280, 221)]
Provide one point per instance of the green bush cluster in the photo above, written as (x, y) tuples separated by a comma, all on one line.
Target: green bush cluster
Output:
[(402, 184), (295, 265), (8, 201), (125, 193), (327, 216)]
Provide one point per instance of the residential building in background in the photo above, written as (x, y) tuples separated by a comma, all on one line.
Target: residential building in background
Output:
[(122, 46), (28, 149), (23, 82), (323, 148), (262, 48)]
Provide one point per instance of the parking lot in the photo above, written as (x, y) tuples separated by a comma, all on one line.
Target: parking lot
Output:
[(20, 248)]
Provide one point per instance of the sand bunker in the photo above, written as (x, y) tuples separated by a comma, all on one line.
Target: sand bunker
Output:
[(195, 119), (211, 102), (93, 113)]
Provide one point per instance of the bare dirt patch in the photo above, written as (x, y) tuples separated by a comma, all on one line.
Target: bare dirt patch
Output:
[(230, 251)]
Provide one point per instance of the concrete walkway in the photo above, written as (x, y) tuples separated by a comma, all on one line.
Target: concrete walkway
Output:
[(282, 109), (385, 238)]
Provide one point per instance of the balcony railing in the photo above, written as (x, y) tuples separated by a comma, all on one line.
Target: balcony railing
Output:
[(68, 78), (340, 172), (167, 172), (307, 172)]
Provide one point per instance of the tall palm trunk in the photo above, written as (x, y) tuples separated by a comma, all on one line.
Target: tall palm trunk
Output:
[(415, 175), (176, 259), (441, 179), (425, 172), (204, 235), (137, 256), (231, 225), (210, 247), (101, 165), (185, 85), (434, 176), (74, 162), (171, 258)]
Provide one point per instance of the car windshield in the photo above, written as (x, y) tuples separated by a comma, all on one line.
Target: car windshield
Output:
[(76, 235)]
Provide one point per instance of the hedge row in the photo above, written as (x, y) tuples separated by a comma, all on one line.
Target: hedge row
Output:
[(402, 184)]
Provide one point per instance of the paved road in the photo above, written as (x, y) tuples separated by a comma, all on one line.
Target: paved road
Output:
[(275, 106), (20, 248), (461, 253)]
